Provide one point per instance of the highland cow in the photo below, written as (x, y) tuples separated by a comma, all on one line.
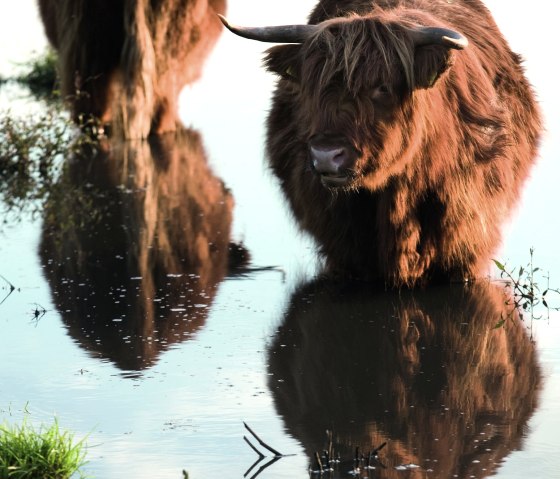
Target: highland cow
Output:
[(402, 133), (124, 62)]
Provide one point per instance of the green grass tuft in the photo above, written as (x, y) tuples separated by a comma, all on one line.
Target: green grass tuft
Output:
[(47, 453)]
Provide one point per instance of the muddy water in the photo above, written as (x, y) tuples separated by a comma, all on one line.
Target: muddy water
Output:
[(164, 296)]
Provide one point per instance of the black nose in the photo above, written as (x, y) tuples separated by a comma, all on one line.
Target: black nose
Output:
[(331, 160)]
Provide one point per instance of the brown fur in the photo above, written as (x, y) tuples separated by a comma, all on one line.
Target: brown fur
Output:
[(138, 232), (126, 61), (425, 371), (444, 139)]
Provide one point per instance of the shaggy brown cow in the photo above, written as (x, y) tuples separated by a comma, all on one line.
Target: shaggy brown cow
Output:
[(402, 133), (126, 61)]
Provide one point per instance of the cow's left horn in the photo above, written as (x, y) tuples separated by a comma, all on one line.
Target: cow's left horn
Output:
[(438, 36), (275, 34)]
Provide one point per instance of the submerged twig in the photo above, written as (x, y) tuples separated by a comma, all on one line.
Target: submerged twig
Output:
[(262, 443), (378, 448), (330, 446), (245, 271), (38, 312), (12, 289), (277, 455), (373, 456), (253, 466), (261, 455), (264, 466), (319, 462)]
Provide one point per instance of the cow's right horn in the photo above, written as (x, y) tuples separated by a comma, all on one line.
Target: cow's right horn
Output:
[(275, 34)]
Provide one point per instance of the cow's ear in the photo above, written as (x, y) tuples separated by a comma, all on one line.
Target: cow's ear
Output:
[(430, 63), (283, 60)]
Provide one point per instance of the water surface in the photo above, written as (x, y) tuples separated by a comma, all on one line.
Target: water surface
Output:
[(164, 296)]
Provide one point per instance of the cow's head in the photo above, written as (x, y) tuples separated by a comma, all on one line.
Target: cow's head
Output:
[(350, 82)]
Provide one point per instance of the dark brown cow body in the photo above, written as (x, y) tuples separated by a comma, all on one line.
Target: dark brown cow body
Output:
[(399, 154), (126, 61)]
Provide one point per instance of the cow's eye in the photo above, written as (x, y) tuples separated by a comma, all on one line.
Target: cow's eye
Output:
[(382, 95), (381, 91), (290, 73)]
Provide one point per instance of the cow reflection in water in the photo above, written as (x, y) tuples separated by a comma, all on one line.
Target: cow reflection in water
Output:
[(135, 244), (425, 371)]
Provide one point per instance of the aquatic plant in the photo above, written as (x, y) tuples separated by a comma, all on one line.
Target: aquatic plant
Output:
[(526, 289), (32, 153), (33, 146), (47, 453)]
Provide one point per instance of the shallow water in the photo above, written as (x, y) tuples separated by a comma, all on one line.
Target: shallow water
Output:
[(132, 331)]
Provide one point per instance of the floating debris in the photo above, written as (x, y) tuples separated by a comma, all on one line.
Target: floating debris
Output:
[(277, 455), (407, 467)]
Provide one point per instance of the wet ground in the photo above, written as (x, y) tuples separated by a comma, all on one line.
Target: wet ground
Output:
[(163, 297)]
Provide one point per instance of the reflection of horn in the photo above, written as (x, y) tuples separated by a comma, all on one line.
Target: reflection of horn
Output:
[(135, 245), (274, 34), (424, 371)]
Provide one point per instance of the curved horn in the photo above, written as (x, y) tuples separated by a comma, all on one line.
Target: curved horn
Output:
[(276, 34), (438, 36)]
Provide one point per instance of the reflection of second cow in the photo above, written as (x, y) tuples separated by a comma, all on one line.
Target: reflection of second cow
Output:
[(135, 243)]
